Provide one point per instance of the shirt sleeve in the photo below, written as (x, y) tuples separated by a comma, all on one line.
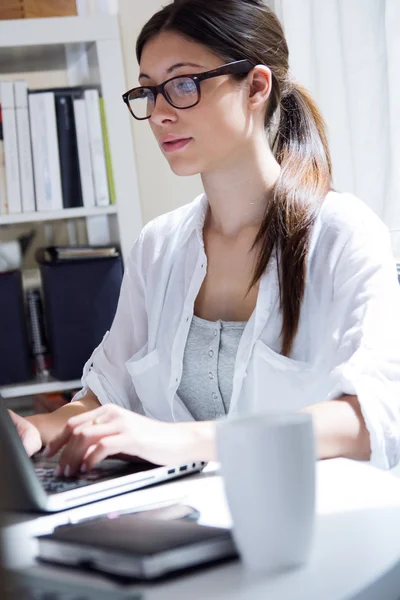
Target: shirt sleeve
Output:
[(105, 372), (366, 326)]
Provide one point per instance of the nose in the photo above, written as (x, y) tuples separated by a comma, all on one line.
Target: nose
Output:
[(162, 111)]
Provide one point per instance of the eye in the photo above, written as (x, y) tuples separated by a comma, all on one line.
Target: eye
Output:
[(184, 86)]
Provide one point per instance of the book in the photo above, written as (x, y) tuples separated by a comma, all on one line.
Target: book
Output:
[(85, 165), (10, 147), (141, 545), (107, 152), (24, 146), (3, 187), (97, 147), (46, 159), (68, 149), (60, 253)]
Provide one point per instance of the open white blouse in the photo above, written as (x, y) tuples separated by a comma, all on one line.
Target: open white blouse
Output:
[(348, 341)]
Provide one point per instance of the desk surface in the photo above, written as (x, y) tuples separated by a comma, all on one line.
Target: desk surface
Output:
[(356, 552)]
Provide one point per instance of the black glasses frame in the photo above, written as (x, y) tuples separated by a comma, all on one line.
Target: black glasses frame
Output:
[(238, 67)]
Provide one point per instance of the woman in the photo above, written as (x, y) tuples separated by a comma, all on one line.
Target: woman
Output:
[(270, 291)]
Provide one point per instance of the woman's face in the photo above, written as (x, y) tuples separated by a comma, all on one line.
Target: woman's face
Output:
[(217, 127)]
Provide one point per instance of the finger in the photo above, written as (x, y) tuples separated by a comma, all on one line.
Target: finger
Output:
[(103, 414), (78, 444), (88, 451), (87, 418), (59, 440), (13, 415), (105, 447)]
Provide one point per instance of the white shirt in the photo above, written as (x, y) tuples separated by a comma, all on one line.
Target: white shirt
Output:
[(348, 339)]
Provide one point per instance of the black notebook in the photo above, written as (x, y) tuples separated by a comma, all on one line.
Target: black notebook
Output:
[(137, 545)]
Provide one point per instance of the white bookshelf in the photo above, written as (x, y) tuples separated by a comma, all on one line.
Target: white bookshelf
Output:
[(88, 50), (57, 215), (38, 386), (84, 50)]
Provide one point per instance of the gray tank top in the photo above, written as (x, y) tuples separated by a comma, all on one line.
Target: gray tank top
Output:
[(208, 367)]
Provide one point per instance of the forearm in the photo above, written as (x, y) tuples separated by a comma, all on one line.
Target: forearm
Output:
[(340, 429), (50, 425)]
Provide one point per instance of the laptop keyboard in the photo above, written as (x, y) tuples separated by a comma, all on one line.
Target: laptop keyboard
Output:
[(109, 469), (53, 485)]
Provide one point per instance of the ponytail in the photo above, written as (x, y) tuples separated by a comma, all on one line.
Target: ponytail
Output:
[(300, 147)]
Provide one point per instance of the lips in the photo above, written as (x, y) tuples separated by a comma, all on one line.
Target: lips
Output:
[(174, 141), (175, 144), (170, 137)]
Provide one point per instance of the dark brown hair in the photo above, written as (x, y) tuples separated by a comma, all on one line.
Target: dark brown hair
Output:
[(239, 29)]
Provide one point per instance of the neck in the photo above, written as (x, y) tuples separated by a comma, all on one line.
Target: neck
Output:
[(238, 191)]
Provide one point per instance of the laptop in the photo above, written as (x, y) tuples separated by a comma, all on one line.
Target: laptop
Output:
[(29, 484)]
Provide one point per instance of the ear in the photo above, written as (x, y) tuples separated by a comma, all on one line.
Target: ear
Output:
[(260, 85)]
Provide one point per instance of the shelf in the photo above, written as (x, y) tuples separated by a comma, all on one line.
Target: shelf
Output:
[(57, 30), (25, 43), (32, 58), (39, 386), (66, 213)]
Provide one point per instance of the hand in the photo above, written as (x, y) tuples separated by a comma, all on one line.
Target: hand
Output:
[(92, 436), (28, 433)]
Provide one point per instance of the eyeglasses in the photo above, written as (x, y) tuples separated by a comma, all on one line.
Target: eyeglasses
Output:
[(180, 92)]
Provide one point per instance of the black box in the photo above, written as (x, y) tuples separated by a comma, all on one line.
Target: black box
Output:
[(80, 300), (14, 344)]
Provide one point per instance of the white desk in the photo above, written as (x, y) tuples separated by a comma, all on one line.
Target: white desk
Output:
[(356, 552)]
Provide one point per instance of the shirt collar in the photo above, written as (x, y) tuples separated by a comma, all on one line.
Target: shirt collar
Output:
[(195, 220)]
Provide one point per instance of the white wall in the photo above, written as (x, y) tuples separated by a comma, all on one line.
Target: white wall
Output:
[(160, 189)]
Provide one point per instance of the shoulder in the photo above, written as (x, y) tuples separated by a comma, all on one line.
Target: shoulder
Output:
[(346, 217), (347, 237), (345, 221)]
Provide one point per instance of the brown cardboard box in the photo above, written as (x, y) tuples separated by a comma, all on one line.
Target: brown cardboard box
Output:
[(31, 9)]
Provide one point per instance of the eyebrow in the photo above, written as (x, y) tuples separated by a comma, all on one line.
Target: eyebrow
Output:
[(176, 66)]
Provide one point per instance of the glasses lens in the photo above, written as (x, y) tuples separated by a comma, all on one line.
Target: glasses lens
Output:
[(141, 102), (182, 91)]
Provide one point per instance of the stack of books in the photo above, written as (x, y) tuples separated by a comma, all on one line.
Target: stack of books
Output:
[(54, 149)]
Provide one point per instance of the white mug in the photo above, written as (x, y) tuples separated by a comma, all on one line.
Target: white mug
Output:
[(268, 464)]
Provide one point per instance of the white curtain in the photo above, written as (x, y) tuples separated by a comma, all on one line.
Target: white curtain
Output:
[(347, 53)]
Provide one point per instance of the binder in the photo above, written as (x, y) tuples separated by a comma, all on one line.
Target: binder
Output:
[(68, 149), (14, 346), (107, 152), (97, 147), (85, 165), (24, 146), (10, 147), (46, 158), (80, 300)]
